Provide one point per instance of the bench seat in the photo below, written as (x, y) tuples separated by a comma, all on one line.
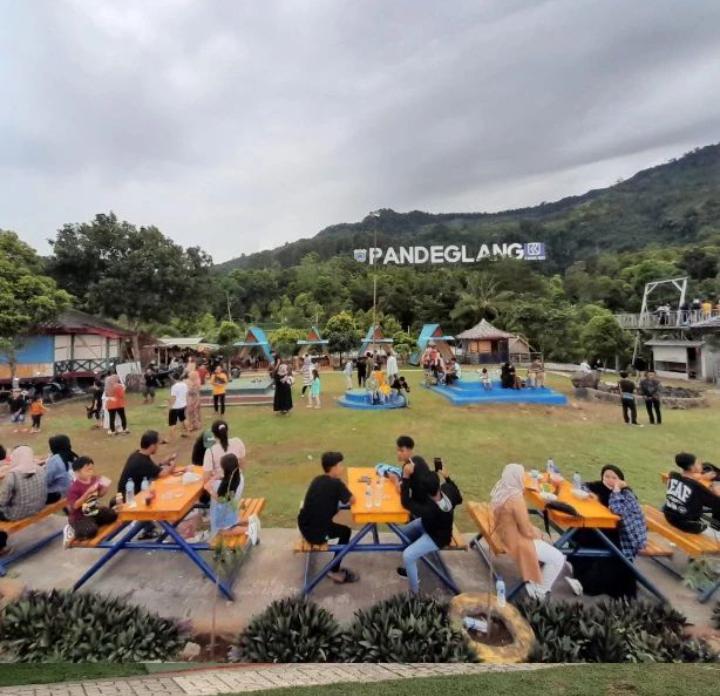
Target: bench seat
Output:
[(106, 531), (16, 525), (238, 539), (656, 548), (483, 517), (693, 545)]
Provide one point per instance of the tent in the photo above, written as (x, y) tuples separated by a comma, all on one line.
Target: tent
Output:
[(432, 333), (255, 340), (375, 341), (313, 343)]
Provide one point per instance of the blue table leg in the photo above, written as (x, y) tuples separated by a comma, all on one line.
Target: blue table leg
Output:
[(704, 596), (196, 558), (112, 550), (27, 551), (376, 536), (348, 548)]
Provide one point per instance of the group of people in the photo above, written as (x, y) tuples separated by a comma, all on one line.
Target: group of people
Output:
[(649, 388), (22, 402), (429, 496)]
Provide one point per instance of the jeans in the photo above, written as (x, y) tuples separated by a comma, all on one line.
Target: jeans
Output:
[(219, 403), (421, 545), (651, 403)]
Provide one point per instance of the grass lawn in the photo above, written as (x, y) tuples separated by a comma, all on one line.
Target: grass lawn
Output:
[(13, 673), (475, 442), (586, 680)]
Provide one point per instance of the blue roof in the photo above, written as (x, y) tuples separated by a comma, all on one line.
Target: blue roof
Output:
[(370, 338), (426, 335), (260, 341)]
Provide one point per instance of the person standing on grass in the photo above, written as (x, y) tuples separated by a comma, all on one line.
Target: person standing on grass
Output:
[(314, 398), (391, 367), (361, 370), (37, 411), (115, 392), (18, 406), (320, 505), (178, 407), (282, 400), (95, 409), (627, 398), (650, 390), (151, 384), (307, 373), (219, 382), (194, 415), (348, 372)]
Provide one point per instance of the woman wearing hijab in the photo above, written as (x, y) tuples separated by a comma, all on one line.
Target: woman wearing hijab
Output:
[(115, 392), (58, 468), (522, 540), (611, 576), (23, 490), (193, 401), (282, 401), (307, 373)]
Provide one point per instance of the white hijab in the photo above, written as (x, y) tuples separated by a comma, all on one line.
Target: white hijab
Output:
[(511, 483), (22, 460)]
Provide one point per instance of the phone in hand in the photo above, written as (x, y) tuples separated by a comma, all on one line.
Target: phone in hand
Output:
[(437, 461)]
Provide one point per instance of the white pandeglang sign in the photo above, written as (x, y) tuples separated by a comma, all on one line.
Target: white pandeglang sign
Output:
[(453, 253)]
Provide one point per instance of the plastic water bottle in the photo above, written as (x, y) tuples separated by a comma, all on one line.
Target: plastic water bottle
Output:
[(145, 484), (472, 624), (550, 467), (500, 592), (130, 493), (577, 481), (368, 496), (378, 493)]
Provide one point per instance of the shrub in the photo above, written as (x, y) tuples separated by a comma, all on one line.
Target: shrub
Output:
[(63, 626), (611, 631), (290, 630), (405, 629)]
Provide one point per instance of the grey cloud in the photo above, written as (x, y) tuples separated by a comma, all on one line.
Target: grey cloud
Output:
[(242, 125)]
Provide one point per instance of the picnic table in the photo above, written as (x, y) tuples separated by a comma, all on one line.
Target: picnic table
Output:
[(714, 485), (592, 515), (172, 503), (368, 515)]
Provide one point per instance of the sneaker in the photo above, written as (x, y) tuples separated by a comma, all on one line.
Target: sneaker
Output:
[(68, 535), (401, 571), (149, 534), (253, 531), (5, 551), (575, 586)]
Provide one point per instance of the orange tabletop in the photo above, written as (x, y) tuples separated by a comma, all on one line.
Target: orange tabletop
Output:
[(390, 509), (173, 500), (593, 513), (714, 486)]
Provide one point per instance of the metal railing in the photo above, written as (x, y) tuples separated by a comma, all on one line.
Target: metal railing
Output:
[(661, 319)]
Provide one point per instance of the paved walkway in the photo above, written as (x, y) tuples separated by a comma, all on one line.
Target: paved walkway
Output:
[(243, 678)]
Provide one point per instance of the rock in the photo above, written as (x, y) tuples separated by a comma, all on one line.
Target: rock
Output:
[(190, 652), (585, 379)]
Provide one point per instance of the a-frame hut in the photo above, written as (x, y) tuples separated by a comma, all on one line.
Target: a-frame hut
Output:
[(314, 343), (255, 344), (432, 333), (375, 341)]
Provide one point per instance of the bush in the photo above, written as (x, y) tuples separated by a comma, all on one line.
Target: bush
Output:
[(84, 627), (290, 630), (611, 631), (405, 629)]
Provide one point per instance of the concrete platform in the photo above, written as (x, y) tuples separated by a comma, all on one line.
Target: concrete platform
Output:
[(467, 392), (251, 389), (170, 584)]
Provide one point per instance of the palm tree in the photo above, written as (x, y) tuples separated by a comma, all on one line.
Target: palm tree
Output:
[(481, 299)]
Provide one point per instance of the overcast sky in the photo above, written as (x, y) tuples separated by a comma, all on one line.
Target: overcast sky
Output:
[(240, 125)]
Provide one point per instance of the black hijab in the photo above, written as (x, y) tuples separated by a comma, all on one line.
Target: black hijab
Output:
[(60, 444), (600, 489)]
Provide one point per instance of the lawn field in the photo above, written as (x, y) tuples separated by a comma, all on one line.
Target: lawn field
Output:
[(475, 442)]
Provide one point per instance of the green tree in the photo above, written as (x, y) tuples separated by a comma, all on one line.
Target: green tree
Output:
[(481, 299), (228, 334), (603, 337), (27, 297), (342, 333), (284, 340)]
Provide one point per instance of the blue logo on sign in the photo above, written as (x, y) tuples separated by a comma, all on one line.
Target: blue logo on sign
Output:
[(360, 255), (534, 251)]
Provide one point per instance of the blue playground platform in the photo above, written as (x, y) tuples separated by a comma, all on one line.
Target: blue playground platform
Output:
[(472, 392), (360, 399)]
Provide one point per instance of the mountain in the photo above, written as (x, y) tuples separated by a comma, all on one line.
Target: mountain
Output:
[(672, 204)]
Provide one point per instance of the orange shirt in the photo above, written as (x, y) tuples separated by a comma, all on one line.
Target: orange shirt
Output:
[(37, 408), (219, 383), (118, 398)]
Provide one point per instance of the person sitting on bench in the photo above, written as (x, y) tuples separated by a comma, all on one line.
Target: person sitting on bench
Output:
[(320, 506), (433, 526), (523, 541), (58, 467), (86, 516), (22, 492), (225, 492), (686, 496)]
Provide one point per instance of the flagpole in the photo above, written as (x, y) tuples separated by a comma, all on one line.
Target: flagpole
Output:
[(375, 214)]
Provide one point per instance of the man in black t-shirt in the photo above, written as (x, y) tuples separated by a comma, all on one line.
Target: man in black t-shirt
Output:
[(687, 495), (416, 467), (627, 397), (315, 521), (140, 464)]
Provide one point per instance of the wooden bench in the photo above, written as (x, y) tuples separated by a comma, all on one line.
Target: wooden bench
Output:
[(693, 545), (483, 517), (103, 533), (656, 548), (238, 539), (16, 525)]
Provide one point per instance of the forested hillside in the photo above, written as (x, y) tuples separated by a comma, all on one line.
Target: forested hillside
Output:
[(674, 203)]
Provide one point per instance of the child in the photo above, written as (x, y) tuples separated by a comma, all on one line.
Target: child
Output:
[(225, 493), (485, 379), (348, 372), (37, 409), (86, 516), (18, 406), (95, 409), (315, 389)]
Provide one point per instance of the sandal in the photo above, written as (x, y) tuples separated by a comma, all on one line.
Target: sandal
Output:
[(349, 576)]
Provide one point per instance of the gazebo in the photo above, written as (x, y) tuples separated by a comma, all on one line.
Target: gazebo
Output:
[(375, 341), (485, 344), (432, 333), (255, 343)]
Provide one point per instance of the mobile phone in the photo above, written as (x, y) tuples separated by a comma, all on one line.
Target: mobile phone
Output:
[(438, 463)]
